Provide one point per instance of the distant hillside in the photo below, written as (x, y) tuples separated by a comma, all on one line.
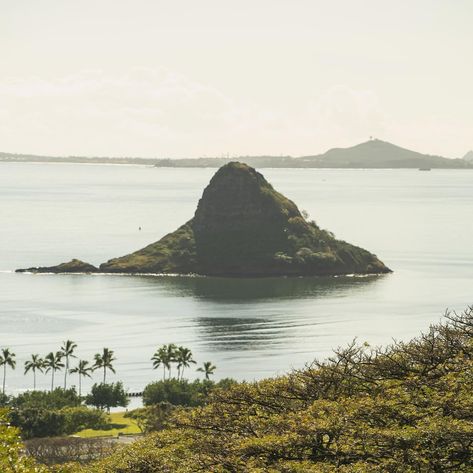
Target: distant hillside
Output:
[(374, 154), (254, 161), (469, 156), (380, 154), (34, 158)]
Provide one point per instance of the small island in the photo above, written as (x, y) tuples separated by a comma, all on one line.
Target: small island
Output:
[(242, 228)]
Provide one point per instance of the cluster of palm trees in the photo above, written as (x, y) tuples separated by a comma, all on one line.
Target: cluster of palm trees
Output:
[(53, 362), (166, 355)]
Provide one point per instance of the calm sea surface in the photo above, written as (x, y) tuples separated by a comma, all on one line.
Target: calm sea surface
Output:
[(419, 223)]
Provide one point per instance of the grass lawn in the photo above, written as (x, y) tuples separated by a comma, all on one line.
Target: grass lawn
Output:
[(118, 424)]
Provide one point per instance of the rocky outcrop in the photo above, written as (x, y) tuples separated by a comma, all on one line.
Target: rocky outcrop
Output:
[(73, 266), (243, 227)]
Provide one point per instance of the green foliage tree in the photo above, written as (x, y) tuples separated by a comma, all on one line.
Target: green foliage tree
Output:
[(406, 408), (176, 392), (7, 358), (67, 350), (36, 363), (12, 457), (208, 369), (104, 361), (81, 417), (36, 422), (55, 399), (105, 396), (152, 418), (83, 370), (182, 392), (53, 362), (4, 400)]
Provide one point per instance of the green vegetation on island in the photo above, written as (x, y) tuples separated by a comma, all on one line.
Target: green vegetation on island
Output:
[(242, 227), (73, 266)]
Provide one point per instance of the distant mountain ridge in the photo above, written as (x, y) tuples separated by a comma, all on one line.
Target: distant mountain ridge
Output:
[(372, 154), (469, 156), (380, 154)]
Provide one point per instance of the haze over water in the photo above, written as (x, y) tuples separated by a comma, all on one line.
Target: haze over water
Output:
[(418, 223)]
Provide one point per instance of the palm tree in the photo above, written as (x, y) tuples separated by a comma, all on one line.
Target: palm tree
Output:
[(7, 358), (159, 359), (35, 364), (104, 361), (53, 362), (171, 352), (67, 351), (184, 359), (165, 356), (208, 368), (82, 369)]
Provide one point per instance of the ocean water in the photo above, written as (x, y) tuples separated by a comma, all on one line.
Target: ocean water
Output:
[(419, 223)]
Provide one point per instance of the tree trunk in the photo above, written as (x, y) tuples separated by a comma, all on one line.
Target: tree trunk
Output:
[(65, 372), (104, 374), (34, 380), (4, 375), (52, 381), (80, 385)]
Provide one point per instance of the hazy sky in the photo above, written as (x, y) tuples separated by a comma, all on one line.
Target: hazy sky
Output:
[(210, 77)]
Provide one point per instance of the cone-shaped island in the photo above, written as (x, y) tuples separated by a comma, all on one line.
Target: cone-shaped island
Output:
[(242, 227)]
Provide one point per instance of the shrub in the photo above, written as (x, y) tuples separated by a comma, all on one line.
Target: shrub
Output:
[(182, 392), (4, 400), (41, 422), (79, 418), (58, 450), (38, 422), (152, 418), (56, 399), (12, 459), (105, 396), (179, 393)]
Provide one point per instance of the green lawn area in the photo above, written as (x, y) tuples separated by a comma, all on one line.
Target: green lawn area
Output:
[(118, 424)]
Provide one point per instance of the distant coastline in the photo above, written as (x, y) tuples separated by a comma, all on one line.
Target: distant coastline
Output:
[(372, 154)]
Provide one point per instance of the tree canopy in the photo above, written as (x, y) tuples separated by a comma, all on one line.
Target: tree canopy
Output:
[(404, 408)]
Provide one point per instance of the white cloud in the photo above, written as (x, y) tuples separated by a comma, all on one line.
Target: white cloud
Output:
[(157, 112)]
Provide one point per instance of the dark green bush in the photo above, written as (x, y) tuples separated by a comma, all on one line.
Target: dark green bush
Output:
[(4, 400), (107, 395), (43, 422), (56, 399), (38, 422), (182, 392), (79, 418), (152, 418)]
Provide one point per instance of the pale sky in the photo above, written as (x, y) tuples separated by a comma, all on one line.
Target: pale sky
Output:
[(193, 78)]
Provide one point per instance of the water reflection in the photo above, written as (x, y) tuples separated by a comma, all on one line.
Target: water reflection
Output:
[(242, 290), (247, 315), (235, 333)]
